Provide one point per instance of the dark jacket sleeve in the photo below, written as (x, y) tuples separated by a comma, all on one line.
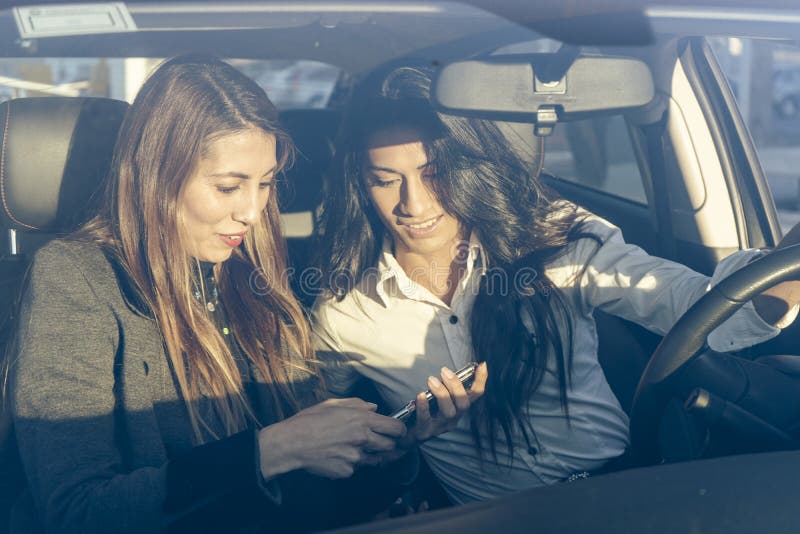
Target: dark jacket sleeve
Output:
[(217, 488), (311, 503)]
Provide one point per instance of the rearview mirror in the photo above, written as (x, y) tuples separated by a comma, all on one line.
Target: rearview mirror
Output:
[(541, 89)]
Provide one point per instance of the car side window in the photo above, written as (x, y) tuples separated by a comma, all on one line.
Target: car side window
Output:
[(596, 153), (765, 78), (290, 84)]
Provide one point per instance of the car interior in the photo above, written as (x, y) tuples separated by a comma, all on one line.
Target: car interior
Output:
[(677, 202)]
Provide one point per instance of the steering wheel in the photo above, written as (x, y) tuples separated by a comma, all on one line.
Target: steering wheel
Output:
[(683, 342)]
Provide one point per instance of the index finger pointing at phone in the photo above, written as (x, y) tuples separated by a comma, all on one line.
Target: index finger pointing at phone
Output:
[(479, 382), (387, 426)]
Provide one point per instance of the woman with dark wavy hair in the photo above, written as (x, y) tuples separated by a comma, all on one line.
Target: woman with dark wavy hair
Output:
[(157, 385), (441, 246)]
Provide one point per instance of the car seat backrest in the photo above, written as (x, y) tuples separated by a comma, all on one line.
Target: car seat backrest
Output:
[(54, 155), (313, 132), (624, 347)]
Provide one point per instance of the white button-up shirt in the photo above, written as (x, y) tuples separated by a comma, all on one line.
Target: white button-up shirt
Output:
[(396, 333)]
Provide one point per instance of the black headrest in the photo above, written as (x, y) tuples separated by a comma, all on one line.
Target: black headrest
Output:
[(54, 154), (313, 132)]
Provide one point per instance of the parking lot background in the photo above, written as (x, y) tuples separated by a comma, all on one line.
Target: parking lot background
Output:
[(765, 77)]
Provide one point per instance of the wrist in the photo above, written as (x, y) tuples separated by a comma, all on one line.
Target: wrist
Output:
[(409, 441), (275, 453)]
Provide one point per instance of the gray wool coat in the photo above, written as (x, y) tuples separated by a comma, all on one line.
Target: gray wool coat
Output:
[(104, 437)]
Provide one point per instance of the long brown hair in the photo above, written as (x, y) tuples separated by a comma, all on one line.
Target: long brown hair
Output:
[(188, 102)]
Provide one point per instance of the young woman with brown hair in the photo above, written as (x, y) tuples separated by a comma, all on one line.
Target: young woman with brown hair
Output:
[(164, 377)]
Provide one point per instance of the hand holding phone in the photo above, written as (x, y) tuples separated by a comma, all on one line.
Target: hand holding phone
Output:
[(465, 375)]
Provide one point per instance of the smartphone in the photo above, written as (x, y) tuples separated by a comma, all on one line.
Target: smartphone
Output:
[(465, 375)]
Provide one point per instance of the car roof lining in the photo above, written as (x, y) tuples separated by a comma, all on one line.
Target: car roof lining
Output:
[(357, 36)]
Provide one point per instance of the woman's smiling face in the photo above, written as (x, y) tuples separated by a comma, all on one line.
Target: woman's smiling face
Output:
[(226, 193), (397, 175)]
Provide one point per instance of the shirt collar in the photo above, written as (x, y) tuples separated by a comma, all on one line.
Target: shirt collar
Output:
[(392, 279)]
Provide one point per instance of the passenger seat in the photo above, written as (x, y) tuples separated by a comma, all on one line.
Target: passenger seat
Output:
[(54, 155)]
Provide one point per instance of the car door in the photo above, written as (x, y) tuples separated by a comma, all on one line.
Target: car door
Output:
[(731, 57)]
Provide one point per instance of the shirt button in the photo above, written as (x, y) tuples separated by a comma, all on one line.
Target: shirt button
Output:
[(533, 451), (453, 319)]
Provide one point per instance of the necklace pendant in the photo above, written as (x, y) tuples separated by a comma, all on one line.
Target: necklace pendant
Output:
[(210, 306)]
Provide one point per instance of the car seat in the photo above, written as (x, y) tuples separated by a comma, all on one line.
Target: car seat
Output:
[(54, 155), (624, 347), (313, 132)]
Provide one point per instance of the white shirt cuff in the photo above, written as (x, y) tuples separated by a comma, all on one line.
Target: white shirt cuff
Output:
[(746, 327)]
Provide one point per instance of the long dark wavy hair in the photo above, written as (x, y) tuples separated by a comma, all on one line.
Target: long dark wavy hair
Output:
[(490, 189)]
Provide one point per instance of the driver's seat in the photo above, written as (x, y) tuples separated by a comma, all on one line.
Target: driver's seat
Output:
[(624, 347)]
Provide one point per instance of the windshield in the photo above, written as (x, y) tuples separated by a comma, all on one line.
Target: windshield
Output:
[(611, 163)]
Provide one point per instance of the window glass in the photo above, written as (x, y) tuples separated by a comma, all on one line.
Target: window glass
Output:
[(293, 84), (596, 153), (765, 77), (52, 77), (290, 84)]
